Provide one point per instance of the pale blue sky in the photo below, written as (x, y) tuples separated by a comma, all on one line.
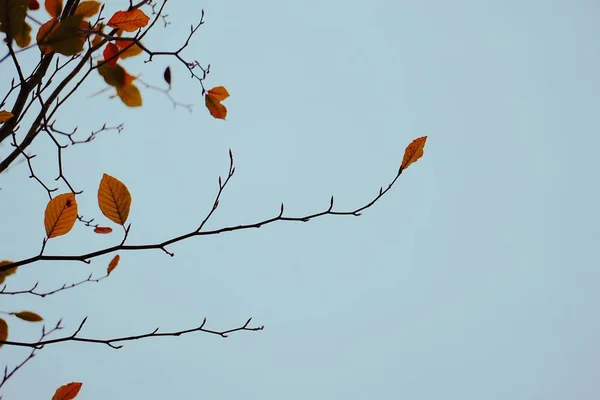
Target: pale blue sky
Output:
[(475, 278)]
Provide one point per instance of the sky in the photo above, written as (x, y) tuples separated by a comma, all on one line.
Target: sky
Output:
[(474, 277)]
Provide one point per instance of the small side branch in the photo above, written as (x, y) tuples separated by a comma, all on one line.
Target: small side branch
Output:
[(65, 286), (111, 342)]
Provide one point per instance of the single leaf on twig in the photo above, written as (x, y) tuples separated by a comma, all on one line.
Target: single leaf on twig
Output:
[(213, 99), (29, 316), (130, 95), (68, 391), (60, 215), (88, 8), (5, 116), (413, 152), (54, 7), (129, 21), (167, 75), (113, 264), (102, 230), (114, 199), (3, 331)]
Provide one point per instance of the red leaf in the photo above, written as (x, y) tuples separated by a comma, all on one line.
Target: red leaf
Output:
[(54, 8), (111, 54), (34, 5), (102, 230), (68, 391)]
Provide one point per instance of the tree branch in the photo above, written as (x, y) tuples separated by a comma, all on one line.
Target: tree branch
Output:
[(110, 342)]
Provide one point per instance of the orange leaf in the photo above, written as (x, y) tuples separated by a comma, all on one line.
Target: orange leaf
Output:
[(102, 230), (54, 8), (3, 330), (115, 76), (60, 215), (114, 199), (44, 34), (111, 52), (5, 116), (129, 21), (62, 36), (218, 93), (88, 8), (4, 274), (113, 264), (413, 152), (29, 316), (128, 48), (215, 107), (68, 391)]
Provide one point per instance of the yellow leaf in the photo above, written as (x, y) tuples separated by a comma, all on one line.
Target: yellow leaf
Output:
[(12, 21), (3, 331), (29, 316), (5, 115), (219, 93), (114, 199), (88, 8), (129, 21), (113, 264), (130, 95), (413, 152), (54, 7), (60, 215), (68, 391)]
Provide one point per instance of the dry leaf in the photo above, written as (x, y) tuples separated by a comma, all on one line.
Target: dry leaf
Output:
[(68, 391), (3, 331), (29, 316), (54, 8), (129, 21), (102, 230), (128, 48), (5, 115), (113, 264), (130, 95), (88, 8), (114, 199), (60, 215), (167, 75), (413, 152), (218, 93)]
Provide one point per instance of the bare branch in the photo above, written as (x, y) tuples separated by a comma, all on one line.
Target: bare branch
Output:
[(110, 342), (60, 289)]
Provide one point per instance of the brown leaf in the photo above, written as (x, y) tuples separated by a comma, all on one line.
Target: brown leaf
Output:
[(114, 199), (113, 264), (60, 215), (167, 75), (33, 5), (3, 331), (29, 316), (9, 271), (413, 152), (129, 21), (218, 93), (68, 391), (5, 116), (130, 95), (103, 230), (54, 8), (62, 36), (88, 8), (12, 21), (215, 107), (115, 76)]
